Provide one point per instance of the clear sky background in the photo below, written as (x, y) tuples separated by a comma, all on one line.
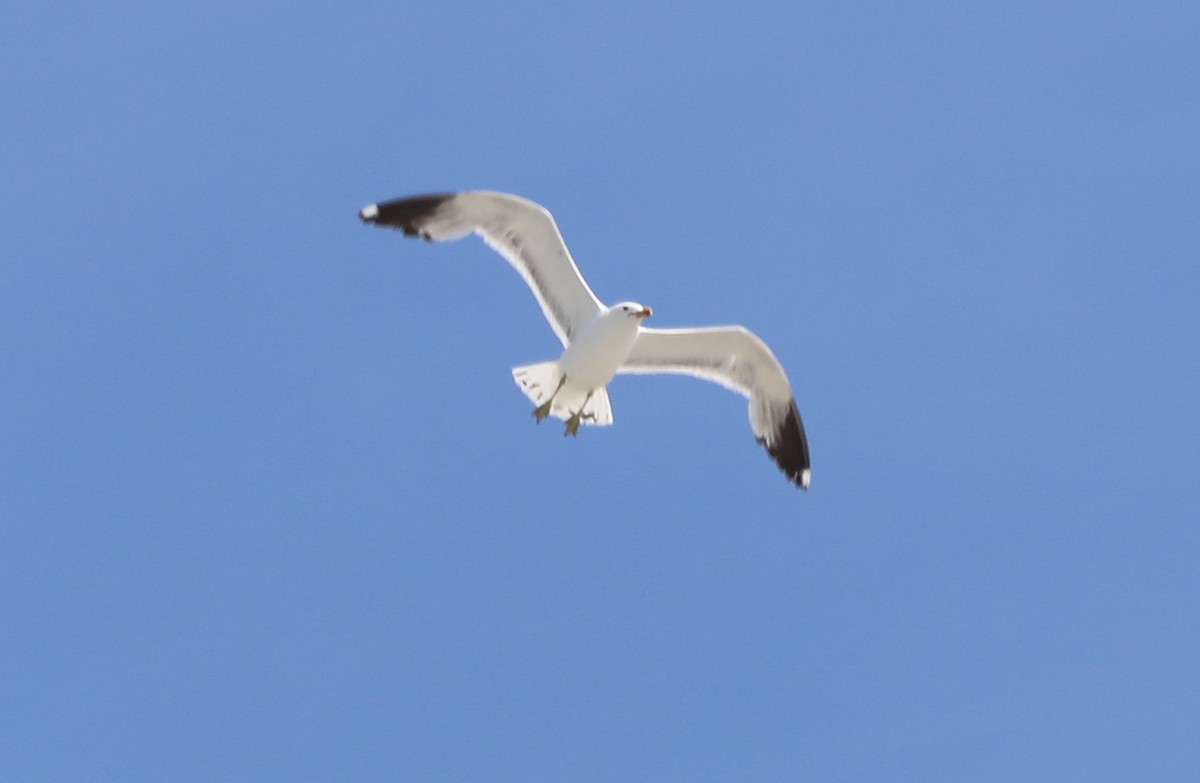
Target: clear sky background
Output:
[(273, 508)]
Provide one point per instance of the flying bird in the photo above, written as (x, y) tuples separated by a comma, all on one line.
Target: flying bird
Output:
[(600, 342)]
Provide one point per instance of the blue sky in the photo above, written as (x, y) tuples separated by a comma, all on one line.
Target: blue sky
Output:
[(273, 508)]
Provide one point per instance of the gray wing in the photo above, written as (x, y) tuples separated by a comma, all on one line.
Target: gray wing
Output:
[(736, 358), (523, 232)]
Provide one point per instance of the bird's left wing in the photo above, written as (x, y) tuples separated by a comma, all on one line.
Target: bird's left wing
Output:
[(736, 358), (523, 232)]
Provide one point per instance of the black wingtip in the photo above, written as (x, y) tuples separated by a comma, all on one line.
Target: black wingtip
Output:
[(789, 449), (407, 214)]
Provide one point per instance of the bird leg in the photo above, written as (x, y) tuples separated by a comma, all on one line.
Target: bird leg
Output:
[(543, 410), (573, 422)]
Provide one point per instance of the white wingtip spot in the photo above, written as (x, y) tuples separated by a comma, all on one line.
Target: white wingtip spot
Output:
[(369, 212), (805, 477)]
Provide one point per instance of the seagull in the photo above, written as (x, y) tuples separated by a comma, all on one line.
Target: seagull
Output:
[(600, 342)]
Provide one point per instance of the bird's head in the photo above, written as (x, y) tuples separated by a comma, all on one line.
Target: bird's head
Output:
[(633, 310)]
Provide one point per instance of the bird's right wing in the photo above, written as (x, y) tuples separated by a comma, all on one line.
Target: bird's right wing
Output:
[(736, 358), (523, 232)]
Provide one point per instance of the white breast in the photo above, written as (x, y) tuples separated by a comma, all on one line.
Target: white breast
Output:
[(593, 358)]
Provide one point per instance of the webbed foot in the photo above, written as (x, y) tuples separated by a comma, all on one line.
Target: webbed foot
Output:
[(543, 410)]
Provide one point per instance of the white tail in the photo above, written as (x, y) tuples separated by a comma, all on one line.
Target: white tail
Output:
[(539, 381)]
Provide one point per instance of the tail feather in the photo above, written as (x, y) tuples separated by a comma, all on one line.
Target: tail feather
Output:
[(539, 381), (598, 411)]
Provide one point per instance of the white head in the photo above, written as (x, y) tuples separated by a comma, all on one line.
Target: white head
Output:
[(632, 310)]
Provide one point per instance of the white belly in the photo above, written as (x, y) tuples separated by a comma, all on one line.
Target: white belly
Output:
[(593, 358)]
